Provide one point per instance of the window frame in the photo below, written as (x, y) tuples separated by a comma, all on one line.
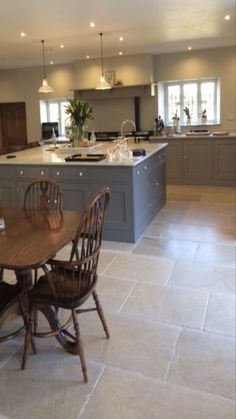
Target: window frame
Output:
[(59, 103), (163, 101)]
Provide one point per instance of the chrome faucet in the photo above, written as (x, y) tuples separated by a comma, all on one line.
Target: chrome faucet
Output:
[(123, 124)]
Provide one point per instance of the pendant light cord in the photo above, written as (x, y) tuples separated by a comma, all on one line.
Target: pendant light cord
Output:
[(101, 53), (44, 68)]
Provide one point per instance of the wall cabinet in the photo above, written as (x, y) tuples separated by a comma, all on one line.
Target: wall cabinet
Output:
[(208, 161)]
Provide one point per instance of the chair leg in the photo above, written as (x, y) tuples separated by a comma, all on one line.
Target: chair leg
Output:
[(26, 320), (101, 314), (80, 346), (28, 340)]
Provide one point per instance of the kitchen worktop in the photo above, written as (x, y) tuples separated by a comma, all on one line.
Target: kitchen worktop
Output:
[(44, 155), (191, 137)]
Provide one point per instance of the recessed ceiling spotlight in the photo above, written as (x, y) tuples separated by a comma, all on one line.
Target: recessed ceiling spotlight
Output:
[(189, 48), (121, 38), (62, 46), (92, 25), (22, 34), (120, 53), (87, 56), (227, 17)]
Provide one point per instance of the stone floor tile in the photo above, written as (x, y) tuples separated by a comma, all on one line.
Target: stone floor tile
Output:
[(121, 394), (205, 362), (141, 268), (51, 386), (105, 259), (216, 253), (169, 248), (220, 316), (141, 346), (199, 233), (182, 307), (205, 277)]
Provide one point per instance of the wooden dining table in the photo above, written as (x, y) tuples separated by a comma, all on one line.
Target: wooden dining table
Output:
[(29, 239)]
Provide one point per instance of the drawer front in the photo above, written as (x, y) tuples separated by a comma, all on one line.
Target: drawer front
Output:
[(37, 172), (70, 173), (115, 174), (6, 172)]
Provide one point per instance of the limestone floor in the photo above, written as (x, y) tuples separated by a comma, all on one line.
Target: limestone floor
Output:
[(170, 304)]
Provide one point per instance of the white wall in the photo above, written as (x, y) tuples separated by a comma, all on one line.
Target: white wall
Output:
[(216, 62), (23, 84)]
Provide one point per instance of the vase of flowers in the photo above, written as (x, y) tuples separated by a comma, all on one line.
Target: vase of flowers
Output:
[(204, 117), (188, 115), (177, 129), (79, 111)]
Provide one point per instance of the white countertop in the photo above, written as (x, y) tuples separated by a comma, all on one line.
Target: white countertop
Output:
[(193, 137), (43, 156)]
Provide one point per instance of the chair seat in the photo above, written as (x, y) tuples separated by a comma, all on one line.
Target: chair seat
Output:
[(66, 293)]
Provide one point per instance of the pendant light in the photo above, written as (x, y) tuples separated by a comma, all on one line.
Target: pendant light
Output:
[(45, 88), (103, 84)]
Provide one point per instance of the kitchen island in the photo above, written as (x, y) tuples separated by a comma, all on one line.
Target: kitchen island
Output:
[(137, 184), (200, 159)]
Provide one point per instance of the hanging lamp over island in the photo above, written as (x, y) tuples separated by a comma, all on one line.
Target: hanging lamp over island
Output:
[(45, 88), (103, 84)]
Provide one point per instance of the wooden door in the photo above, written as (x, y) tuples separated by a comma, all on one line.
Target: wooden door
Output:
[(13, 125)]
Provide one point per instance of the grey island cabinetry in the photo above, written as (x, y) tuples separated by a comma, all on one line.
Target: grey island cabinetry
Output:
[(137, 185), (209, 160)]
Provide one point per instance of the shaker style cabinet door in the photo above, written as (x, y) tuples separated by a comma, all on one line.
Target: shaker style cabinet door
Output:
[(225, 160)]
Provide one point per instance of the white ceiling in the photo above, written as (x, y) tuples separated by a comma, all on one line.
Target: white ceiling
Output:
[(148, 26)]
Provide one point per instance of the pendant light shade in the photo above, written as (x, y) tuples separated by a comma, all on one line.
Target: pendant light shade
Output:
[(45, 88), (103, 84)]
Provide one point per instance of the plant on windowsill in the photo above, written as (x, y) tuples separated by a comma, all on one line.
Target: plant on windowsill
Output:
[(187, 113), (204, 117), (79, 111), (176, 123)]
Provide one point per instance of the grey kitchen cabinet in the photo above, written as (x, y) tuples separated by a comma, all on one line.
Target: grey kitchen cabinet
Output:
[(197, 160), (137, 190), (24, 174), (7, 187), (119, 216), (174, 161), (149, 192), (74, 182), (200, 161), (225, 160)]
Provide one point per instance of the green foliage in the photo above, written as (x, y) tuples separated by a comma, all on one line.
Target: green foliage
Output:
[(79, 111), (187, 112), (175, 117)]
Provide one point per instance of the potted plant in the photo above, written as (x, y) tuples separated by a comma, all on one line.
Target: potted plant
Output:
[(204, 117), (176, 123), (187, 113), (79, 111)]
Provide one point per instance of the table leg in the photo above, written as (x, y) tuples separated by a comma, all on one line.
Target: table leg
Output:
[(50, 312)]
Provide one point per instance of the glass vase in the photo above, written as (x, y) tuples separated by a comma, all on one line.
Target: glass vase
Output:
[(77, 136)]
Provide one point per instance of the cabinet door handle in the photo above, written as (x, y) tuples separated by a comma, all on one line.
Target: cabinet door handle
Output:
[(21, 172), (137, 172), (58, 173), (157, 183), (145, 167), (42, 172), (80, 173)]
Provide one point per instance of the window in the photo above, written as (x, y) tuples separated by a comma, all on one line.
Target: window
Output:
[(54, 111), (197, 95)]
